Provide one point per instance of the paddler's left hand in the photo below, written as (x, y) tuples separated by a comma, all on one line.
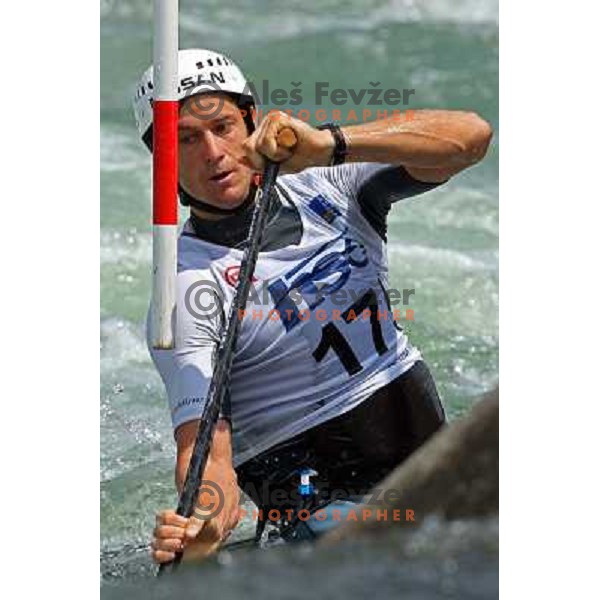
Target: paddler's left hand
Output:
[(218, 502), (218, 513), (313, 147)]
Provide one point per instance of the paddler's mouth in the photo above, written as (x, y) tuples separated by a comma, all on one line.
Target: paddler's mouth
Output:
[(222, 177)]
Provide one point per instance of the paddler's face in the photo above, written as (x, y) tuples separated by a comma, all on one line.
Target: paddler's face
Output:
[(210, 147)]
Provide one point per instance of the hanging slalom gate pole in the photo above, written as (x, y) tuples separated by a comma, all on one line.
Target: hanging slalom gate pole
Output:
[(164, 172)]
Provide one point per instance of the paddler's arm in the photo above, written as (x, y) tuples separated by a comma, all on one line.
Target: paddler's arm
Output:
[(220, 451), (200, 538), (203, 537), (432, 145)]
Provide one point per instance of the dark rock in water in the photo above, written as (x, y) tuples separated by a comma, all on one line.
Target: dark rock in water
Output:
[(441, 560), (454, 475)]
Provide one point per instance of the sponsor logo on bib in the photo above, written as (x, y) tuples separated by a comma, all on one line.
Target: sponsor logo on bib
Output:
[(232, 275), (320, 275)]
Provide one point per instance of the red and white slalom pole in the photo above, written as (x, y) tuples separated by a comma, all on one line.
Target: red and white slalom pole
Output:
[(164, 173)]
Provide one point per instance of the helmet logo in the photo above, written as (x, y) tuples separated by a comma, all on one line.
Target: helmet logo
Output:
[(221, 60), (199, 107)]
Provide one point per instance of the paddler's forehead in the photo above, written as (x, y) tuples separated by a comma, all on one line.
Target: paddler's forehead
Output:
[(202, 110)]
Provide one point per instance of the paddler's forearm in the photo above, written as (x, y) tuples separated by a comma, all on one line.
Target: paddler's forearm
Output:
[(220, 450), (429, 139)]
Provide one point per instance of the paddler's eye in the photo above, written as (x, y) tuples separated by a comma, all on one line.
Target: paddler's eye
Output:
[(187, 139), (223, 127)]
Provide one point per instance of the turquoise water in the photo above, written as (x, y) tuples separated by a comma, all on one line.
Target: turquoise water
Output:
[(444, 244)]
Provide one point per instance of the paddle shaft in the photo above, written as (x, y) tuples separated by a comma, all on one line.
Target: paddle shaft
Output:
[(220, 379)]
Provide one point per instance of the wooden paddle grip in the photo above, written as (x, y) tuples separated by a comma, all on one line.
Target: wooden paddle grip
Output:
[(287, 138)]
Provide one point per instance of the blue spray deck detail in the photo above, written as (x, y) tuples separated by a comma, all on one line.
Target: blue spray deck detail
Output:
[(313, 517), (306, 488), (323, 519)]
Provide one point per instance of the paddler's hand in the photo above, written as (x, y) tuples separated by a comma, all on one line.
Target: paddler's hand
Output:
[(218, 503), (218, 513), (313, 147)]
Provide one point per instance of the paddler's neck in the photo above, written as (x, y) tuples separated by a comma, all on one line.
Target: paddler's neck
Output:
[(227, 230), (204, 215)]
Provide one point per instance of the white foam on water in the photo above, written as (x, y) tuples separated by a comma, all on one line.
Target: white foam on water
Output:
[(444, 258), (122, 343), (126, 9), (464, 11), (456, 292), (120, 150), (135, 424), (455, 206), (274, 20), (129, 248)]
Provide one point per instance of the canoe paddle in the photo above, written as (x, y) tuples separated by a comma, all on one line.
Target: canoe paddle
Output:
[(220, 379)]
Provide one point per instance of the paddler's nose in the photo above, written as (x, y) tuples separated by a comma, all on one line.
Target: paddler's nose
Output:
[(213, 150)]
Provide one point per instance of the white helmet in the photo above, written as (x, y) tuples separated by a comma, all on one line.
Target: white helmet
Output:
[(199, 72)]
